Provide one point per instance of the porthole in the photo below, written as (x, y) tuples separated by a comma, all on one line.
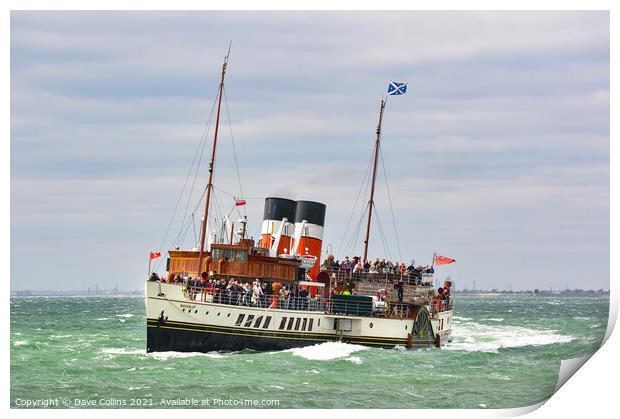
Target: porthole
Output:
[(370, 325), (228, 315), (207, 313), (218, 314), (183, 310), (195, 311), (405, 327)]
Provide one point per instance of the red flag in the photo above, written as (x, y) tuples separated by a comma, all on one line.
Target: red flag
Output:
[(155, 255), (239, 202), (442, 260)]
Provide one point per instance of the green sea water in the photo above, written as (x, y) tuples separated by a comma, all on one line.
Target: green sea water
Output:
[(90, 352)]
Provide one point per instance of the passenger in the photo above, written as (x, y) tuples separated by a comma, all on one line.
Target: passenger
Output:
[(256, 293), (399, 287)]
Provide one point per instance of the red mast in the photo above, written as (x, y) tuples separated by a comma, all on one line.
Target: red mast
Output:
[(371, 201), (203, 230)]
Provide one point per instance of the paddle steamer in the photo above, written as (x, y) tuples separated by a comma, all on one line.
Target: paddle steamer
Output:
[(300, 302)]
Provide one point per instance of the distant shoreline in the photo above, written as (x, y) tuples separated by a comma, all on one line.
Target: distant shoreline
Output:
[(467, 293)]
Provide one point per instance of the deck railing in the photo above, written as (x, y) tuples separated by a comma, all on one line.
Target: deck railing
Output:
[(411, 278), (336, 305)]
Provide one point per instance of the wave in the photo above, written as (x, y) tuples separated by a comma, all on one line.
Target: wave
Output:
[(172, 355), (326, 351), (20, 343), (127, 315), (472, 336), (123, 351), (498, 319)]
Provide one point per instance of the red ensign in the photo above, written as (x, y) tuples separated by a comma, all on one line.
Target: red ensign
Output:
[(240, 202), (155, 255), (442, 260)]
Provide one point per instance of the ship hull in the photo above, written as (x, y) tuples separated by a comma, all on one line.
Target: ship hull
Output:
[(176, 324)]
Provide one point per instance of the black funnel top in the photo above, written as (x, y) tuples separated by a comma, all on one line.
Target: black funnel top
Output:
[(279, 208), (312, 212)]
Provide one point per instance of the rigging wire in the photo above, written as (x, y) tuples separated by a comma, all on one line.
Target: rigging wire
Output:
[(356, 232), (204, 143), (386, 247), (232, 140), (387, 187), (200, 146), (187, 224), (353, 209)]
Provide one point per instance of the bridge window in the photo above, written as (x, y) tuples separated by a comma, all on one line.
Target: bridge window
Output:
[(282, 323), (297, 323), (241, 256), (310, 324), (304, 324), (216, 254), (248, 322), (258, 321), (239, 319), (289, 326)]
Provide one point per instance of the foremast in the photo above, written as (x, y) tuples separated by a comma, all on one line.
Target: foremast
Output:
[(203, 227)]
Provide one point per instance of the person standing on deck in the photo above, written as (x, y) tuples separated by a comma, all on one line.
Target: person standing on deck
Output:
[(399, 287)]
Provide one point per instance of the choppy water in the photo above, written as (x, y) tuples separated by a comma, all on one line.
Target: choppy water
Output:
[(506, 353)]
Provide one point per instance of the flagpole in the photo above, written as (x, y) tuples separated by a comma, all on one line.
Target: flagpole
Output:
[(148, 275), (371, 201)]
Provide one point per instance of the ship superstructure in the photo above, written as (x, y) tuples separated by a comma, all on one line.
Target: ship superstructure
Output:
[(275, 293)]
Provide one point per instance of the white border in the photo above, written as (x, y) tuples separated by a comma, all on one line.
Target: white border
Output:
[(591, 394)]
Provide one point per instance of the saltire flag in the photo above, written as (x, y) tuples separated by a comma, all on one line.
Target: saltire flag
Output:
[(442, 260), (155, 255), (239, 202), (395, 89)]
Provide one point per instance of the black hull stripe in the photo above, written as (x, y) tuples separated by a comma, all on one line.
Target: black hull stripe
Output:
[(265, 332), (167, 338)]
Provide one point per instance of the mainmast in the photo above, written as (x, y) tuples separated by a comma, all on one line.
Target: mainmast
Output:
[(371, 201), (203, 230)]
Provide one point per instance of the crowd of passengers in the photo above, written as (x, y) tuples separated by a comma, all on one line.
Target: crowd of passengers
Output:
[(275, 295), (357, 265), (257, 294)]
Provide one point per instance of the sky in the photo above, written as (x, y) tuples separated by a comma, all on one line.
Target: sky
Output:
[(497, 155)]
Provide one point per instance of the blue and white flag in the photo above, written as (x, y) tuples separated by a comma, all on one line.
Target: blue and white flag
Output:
[(395, 89)]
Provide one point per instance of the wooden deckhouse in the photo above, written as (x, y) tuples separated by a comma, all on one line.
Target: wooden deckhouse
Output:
[(242, 260)]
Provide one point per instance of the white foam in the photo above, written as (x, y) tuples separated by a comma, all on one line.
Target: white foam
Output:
[(277, 387), (123, 351), (60, 336), (326, 351), (172, 355), (355, 360), (20, 343), (103, 318), (461, 318), (472, 336), (127, 315), (498, 319)]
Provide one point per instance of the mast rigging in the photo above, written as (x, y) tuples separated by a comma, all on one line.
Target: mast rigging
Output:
[(371, 201), (212, 166)]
